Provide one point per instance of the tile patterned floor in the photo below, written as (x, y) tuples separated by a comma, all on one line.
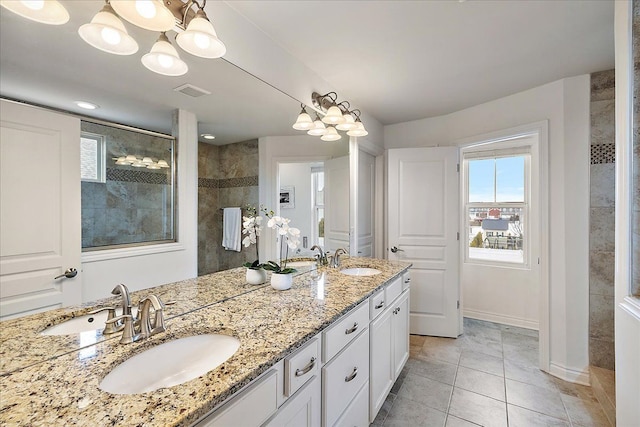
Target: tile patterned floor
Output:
[(486, 377)]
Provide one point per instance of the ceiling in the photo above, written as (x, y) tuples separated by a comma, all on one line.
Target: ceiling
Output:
[(407, 60), (396, 60)]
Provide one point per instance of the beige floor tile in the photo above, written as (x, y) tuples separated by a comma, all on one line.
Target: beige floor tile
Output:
[(521, 417), (428, 392), (536, 399), (458, 422), (444, 349), (480, 382), (572, 389), (417, 340), (479, 344), (519, 340), (478, 409), (522, 355), (433, 369), (482, 362), (408, 413), (530, 374), (585, 413)]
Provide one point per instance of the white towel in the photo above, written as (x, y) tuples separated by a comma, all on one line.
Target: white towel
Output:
[(231, 228)]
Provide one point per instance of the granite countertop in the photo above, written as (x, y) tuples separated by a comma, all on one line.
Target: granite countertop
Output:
[(63, 390)]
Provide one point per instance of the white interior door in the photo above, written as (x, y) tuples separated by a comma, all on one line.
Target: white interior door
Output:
[(336, 202), (423, 220), (40, 209)]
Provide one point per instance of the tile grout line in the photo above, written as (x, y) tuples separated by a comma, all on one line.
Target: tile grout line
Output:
[(453, 386), (504, 379)]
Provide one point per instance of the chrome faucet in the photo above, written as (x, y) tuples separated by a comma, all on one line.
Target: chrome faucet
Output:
[(335, 259), (146, 327), (123, 291), (321, 258)]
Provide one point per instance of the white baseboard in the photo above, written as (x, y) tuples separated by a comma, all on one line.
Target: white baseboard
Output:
[(500, 318), (569, 374)]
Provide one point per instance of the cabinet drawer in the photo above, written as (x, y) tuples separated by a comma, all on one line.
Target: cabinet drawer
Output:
[(301, 366), (252, 407), (406, 280), (393, 290), (357, 412), (345, 329), (343, 377), (376, 304)]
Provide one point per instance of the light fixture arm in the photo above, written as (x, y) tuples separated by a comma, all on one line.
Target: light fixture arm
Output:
[(324, 102)]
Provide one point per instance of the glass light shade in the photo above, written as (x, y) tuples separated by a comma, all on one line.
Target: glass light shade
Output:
[(359, 130), (303, 122), (107, 33), (122, 161), (138, 164), (147, 160), (163, 59), (331, 134), (148, 14), (349, 122), (318, 129), (200, 39), (153, 166), (131, 158), (333, 116), (163, 163), (44, 11)]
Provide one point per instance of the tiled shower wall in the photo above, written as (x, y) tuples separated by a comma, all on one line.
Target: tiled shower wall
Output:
[(602, 221), (227, 177)]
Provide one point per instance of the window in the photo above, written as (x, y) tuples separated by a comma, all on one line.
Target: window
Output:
[(92, 160), (496, 206), (127, 187)]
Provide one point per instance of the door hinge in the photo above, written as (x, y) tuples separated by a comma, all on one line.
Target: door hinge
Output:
[(458, 167), (458, 305), (538, 260), (458, 235)]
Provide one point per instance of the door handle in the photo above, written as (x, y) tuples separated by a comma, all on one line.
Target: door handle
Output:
[(395, 249), (68, 274)]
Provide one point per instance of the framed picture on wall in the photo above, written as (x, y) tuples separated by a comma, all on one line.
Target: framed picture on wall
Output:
[(287, 197)]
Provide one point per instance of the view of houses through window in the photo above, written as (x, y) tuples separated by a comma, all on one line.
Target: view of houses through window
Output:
[(496, 208)]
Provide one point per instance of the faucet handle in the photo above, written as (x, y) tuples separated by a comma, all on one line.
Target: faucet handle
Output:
[(128, 333), (146, 329), (109, 327)]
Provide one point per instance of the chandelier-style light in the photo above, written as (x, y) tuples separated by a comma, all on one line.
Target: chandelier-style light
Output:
[(44, 11), (107, 32), (338, 115)]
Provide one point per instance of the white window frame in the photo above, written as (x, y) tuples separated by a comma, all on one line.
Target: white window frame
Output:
[(489, 152), (101, 161)]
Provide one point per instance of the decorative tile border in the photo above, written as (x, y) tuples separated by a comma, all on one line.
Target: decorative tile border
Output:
[(142, 176), (603, 153), (246, 181)]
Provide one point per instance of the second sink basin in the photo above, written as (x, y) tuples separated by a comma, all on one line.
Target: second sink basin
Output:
[(172, 363), (360, 271)]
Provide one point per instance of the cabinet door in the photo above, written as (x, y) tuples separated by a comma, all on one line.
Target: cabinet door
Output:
[(302, 409), (400, 327), (382, 373)]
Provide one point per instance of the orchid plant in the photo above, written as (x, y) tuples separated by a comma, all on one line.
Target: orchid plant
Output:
[(288, 234), (251, 228)]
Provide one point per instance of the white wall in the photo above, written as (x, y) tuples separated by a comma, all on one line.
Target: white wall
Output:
[(298, 175), (627, 315), (147, 266), (565, 104)]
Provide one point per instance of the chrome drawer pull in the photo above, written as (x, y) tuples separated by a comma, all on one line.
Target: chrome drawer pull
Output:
[(380, 305), (310, 365), (352, 376), (408, 280), (352, 329)]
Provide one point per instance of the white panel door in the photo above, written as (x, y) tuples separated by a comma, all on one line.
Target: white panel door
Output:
[(40, 209), (366, 203), (336, 203), (423, 217)]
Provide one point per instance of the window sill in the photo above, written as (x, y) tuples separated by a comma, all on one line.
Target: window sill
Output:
[(108, 254)]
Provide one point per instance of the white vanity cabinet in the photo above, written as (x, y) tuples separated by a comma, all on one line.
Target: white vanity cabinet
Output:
[(389, 344)]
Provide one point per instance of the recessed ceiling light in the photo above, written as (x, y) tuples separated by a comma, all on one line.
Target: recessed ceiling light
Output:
[(208, 136), (86, 105)]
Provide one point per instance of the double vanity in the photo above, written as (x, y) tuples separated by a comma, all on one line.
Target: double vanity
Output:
[(325, 352)]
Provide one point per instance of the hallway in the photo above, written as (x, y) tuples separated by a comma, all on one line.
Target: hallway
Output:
[(488, 377)]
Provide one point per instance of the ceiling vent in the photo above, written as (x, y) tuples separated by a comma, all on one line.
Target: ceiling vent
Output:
[(192, 91)]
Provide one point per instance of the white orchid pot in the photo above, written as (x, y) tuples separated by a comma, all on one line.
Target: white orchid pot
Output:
[(281, 282), (256, 276)]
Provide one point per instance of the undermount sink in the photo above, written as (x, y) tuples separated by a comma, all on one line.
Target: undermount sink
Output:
[(304, 263), (360, 271), (85, 323), (172, 363)]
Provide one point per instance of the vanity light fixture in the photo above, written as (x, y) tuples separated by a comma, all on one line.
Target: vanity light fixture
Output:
[(49, 12), (303, 122), (331, 134), (200, 38), (107, 33), (163, 58), (141, 162), (318, 129), (148, 14)]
